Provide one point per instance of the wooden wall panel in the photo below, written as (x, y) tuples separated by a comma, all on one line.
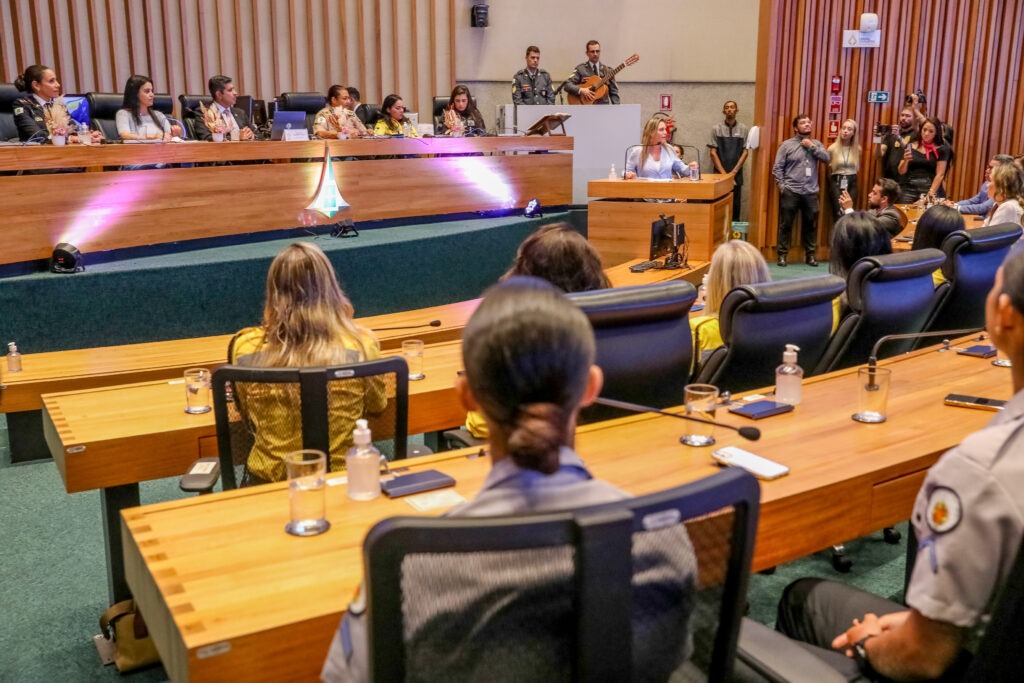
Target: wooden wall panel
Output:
[(966, 55), (267, 46)]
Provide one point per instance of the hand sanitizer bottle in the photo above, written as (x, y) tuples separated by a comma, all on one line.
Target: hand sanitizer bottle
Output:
[(789, 377), (13, 358), (362, 462)]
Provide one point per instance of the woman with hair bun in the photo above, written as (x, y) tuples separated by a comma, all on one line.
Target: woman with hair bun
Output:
[(41, 113), (529, 353)]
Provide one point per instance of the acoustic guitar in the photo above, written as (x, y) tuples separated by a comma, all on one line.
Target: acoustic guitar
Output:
[(598, 85)]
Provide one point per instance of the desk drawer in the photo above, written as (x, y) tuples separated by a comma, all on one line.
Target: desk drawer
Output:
[(892, 501)]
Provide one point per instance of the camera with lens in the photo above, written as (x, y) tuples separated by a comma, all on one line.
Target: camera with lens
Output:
[(920, 98)]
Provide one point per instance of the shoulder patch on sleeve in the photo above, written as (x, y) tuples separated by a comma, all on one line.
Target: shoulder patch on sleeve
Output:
[(18, 111), (944, 511)]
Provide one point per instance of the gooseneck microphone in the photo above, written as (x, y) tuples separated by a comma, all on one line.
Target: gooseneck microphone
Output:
[(873, 358), (432, 323), (748, 433)]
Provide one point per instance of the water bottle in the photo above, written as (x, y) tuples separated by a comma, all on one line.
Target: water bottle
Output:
[(13, 358), (789, 378), (362, 462), (612, 175)]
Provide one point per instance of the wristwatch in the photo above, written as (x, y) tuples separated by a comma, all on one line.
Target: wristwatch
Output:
[(860, 655)]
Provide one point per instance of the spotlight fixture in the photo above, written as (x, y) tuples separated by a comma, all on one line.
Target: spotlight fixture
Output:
[(66, 258), (533, 209)]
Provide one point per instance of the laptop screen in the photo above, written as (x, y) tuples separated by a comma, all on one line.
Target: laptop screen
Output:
[(287, 120)]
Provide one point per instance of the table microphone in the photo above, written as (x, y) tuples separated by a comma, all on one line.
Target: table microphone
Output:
[(432, 323), (748, 433), (873, 358)]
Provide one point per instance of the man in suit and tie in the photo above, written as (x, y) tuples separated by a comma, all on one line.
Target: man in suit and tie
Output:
[(236, 121), (592, 67)]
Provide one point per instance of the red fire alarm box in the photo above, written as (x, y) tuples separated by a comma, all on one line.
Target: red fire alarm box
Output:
[(837, 83), (833, 129)]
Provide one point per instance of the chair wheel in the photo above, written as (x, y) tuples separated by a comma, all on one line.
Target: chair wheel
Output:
[(891, 535), (841, 563)]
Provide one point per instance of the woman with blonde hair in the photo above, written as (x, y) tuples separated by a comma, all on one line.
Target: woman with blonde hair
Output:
[(307, 322), (655, 158), (845, 165), (1005, 191), (734, 263)]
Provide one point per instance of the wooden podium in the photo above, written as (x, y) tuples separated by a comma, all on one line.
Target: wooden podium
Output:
[(620, 227)]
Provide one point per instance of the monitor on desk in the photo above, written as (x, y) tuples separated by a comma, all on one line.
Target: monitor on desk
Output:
[(288, 120), (666, 237)]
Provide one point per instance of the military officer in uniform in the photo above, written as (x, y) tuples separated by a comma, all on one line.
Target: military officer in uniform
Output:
[(969, 518), (532, 85), (592, 67)]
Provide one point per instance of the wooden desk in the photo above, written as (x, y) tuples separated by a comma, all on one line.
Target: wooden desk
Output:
[(114, 209), (620, 229), (235, 595), (906, 238)]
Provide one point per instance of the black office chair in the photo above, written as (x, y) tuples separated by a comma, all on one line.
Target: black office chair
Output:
[(103, 108), (596, 594), (309, 102), (190, 111), (972, 259), (368, 113), (757, 321), (164, 103), (644, 345), (8, 93), (888, 294), (303, 400)]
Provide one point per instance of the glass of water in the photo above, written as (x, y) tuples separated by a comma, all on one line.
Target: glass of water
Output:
[(198, 392), (701, 401), (412, 351), (872, 394), (306, 493)]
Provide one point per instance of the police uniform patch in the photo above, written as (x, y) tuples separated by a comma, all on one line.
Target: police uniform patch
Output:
[(19, 110), (943, 511)]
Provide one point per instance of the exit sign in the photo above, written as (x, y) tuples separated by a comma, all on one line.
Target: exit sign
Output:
[(878, 96)]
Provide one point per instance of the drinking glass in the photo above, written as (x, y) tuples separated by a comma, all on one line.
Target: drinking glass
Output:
[(412, 351), (872, 394), (198, 391), (306, 493), (701, 400)]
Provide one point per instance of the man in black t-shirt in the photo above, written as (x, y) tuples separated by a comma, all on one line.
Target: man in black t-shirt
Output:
[(890, 151)]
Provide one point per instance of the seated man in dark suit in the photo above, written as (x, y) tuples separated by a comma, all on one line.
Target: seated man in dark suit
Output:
[(234, 120), (882, 205)]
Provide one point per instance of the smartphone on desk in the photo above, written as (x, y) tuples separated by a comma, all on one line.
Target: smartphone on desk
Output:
[(978, 351), (762, 468), (417, 482), (761, 409), (964, 401)]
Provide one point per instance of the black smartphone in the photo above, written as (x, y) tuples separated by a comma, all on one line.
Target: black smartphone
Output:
[(418, 482), (761, 409), (964, 401), (978, 351)]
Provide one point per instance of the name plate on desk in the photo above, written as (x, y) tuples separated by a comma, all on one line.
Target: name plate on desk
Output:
[(295, 135)]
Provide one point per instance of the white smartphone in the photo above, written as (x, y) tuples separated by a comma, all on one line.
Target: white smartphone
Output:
[(762, 468)]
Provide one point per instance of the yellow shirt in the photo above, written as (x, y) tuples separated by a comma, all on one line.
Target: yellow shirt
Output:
[(707, 336), (476, 425), (274, 421), (386, 127), (937, 277), (837, 305)]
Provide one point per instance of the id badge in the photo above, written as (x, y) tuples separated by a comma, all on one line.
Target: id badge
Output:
[(842, 182), (807, 171)]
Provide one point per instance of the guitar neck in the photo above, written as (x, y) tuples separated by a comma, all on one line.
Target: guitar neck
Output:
[(610, 75)]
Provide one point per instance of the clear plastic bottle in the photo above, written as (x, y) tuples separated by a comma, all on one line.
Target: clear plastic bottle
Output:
[(612, 175), (13, 358), (702, 293), (789, 378), (362, 463)]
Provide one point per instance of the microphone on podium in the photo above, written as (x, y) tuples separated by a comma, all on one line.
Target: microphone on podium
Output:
[(432, 323), (748, 433)]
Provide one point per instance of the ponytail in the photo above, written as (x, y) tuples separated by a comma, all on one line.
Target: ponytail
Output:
[(538, 433)]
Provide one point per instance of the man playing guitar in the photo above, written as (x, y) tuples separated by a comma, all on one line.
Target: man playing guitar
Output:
[(593, 82)]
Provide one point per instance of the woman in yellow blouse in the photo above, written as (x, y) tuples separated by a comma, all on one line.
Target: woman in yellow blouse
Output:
[(734, 263), (392, 119), (307, 322)]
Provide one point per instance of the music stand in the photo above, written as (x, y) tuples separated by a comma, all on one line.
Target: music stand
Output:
[(547, 123)]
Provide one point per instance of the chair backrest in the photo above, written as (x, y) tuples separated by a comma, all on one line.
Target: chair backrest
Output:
[(164, 103), (280, 410), (615, 592), (972, 259), (190, 111), (438, 106), (756, 323), (997, 657), (8, 93), (887, 294), (103, 108), (644, 344), (368, 113), (309, 102)]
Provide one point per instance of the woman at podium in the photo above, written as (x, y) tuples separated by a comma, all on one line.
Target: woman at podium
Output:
[(655, 159)]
